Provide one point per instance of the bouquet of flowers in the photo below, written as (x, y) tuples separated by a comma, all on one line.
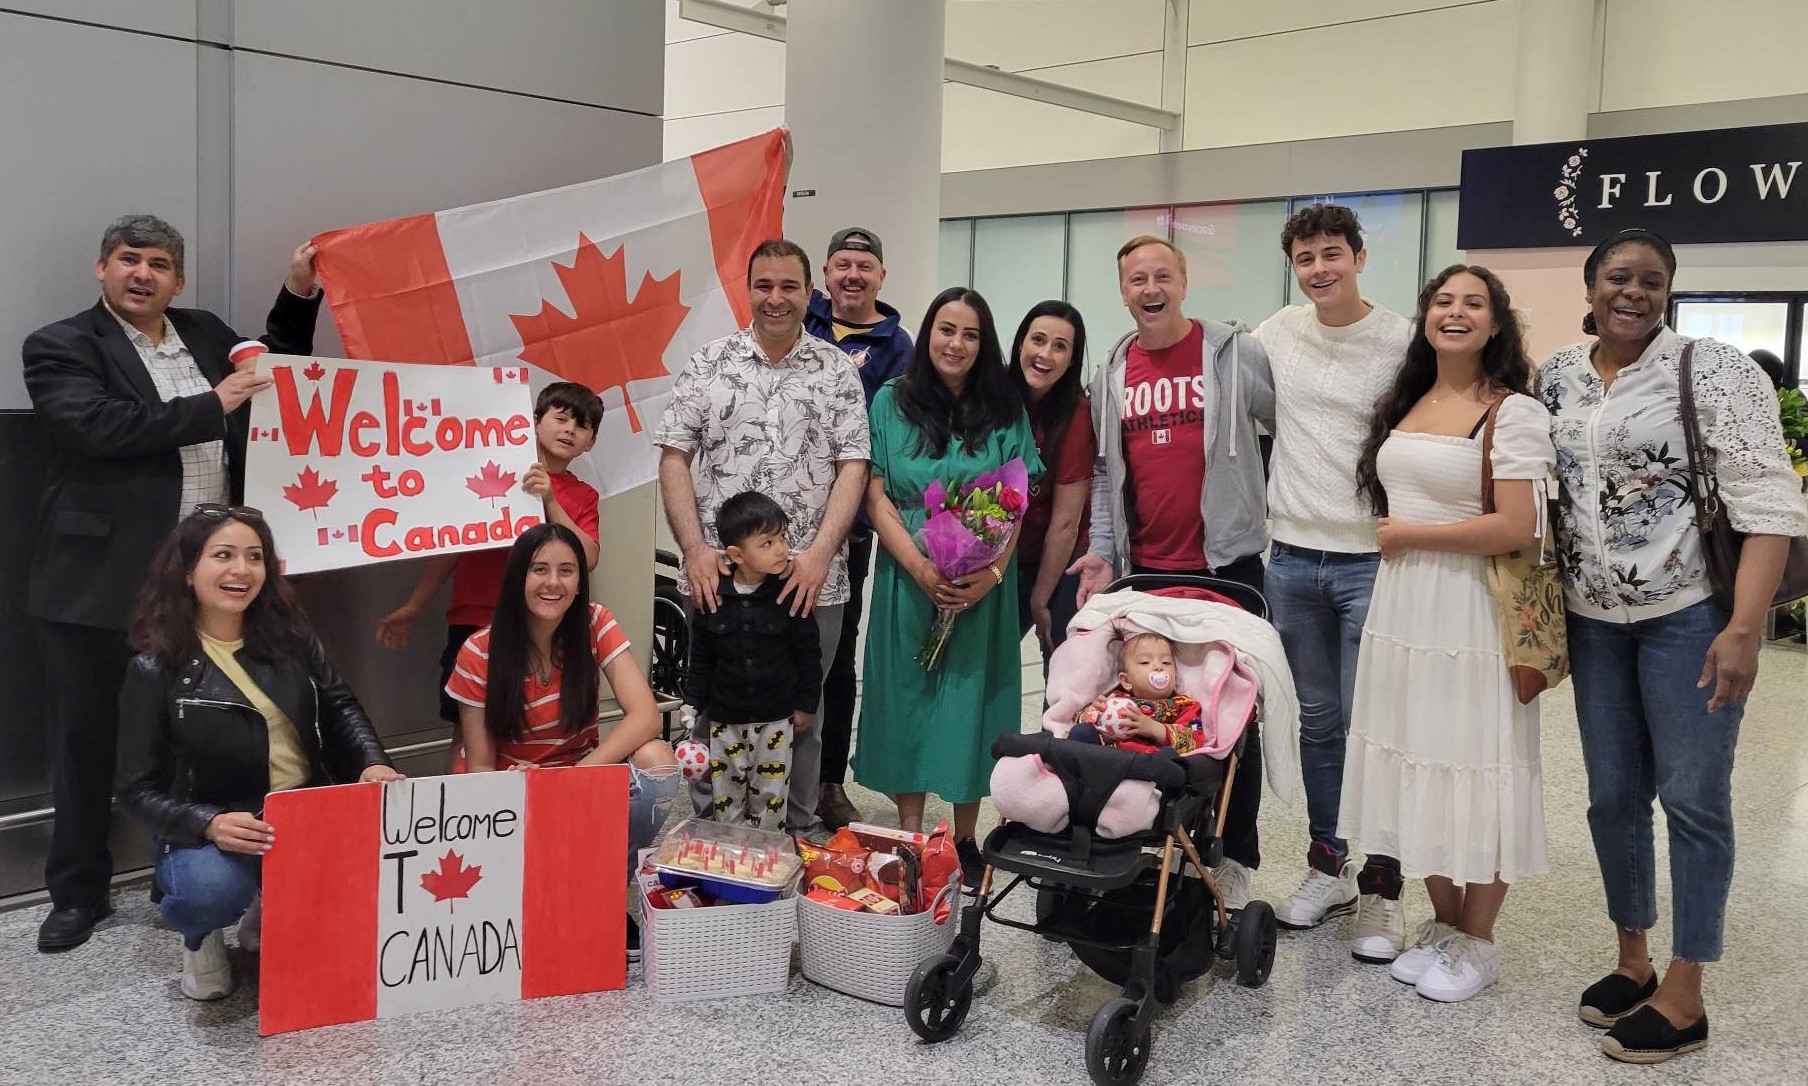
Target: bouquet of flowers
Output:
[(1793, 410), (968, 528)]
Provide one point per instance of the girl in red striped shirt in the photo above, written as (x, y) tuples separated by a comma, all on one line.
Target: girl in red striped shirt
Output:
[(528, 691)]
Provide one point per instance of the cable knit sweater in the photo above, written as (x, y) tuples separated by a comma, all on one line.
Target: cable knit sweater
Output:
[(1326, 382)]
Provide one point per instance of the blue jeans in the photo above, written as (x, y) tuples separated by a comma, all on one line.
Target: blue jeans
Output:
[(649, 799), (205, 889), (1646, 733), (1320, 599)]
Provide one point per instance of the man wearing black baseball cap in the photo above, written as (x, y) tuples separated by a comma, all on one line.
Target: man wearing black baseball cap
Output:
[(848, 313)]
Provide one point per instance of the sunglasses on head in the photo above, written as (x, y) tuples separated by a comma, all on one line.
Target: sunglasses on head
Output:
[(218, 511)]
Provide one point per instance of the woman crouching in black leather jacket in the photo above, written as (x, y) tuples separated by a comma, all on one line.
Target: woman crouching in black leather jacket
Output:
[(230, 698)]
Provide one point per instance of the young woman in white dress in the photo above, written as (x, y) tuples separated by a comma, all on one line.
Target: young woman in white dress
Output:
[(1443, 768)]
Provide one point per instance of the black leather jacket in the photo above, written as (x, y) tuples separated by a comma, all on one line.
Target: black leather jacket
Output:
[(191, 746)]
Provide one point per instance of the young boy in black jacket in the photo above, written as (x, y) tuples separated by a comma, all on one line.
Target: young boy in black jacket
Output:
[(755, 669)]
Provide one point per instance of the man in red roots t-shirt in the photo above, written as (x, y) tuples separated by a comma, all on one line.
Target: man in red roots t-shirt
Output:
[(1178, 486)]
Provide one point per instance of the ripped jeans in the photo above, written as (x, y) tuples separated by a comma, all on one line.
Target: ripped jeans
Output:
[(649, 801)]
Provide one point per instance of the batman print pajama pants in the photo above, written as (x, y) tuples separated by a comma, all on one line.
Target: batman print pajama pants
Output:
[(750, 773)]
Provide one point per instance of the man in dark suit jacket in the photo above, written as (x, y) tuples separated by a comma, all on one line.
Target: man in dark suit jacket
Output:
[(144, 417)]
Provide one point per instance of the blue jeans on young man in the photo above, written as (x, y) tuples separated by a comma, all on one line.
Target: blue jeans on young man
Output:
[(1319, 601), (205, 889), (1647, 733)]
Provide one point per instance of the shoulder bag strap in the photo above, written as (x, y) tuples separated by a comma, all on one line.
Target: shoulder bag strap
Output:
[(1704, 489), (1488, 456)]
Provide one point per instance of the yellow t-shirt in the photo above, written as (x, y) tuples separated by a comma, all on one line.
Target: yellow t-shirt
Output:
[(844, 329), (288, 762)]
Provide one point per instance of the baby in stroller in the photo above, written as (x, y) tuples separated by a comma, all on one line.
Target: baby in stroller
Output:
[(1117, 843), (1143, 711)]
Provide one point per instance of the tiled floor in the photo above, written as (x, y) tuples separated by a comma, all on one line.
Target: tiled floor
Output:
[(109, 1012)]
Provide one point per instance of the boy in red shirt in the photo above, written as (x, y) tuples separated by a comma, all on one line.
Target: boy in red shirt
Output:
[(566, 416)]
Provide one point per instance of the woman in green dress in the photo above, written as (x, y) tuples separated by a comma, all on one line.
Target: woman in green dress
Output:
[(953, 415)]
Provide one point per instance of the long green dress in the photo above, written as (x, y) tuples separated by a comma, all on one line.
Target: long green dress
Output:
[(932, 731)]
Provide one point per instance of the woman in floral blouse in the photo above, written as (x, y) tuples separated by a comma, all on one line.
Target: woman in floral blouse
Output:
[(1661, 671)]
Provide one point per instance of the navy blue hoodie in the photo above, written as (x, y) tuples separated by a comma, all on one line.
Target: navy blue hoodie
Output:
[(880, 353)]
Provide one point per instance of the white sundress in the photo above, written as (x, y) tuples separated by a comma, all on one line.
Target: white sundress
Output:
[(1442, 767)]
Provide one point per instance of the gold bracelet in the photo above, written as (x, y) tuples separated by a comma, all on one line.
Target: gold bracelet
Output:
[(993, 566)]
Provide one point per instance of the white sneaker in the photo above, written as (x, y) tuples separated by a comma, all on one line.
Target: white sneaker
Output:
[(1465, 966), (1423, 954), (1319, 898), (1233, 884), (206, 973), (251, 926), (1380, 930)]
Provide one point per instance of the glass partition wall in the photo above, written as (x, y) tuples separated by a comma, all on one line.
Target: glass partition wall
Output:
[(1235, 267)]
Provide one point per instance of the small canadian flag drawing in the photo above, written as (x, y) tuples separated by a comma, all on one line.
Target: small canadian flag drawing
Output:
[(438, 892), (613, 283)]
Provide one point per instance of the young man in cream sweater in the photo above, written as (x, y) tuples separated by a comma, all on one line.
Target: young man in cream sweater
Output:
[(1332, 359)]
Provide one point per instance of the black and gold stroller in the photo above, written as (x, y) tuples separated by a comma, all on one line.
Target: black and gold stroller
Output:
[(1141, 910)]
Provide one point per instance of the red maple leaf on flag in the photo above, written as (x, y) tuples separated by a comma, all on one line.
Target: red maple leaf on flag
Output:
[(451, 879), (610, 340), (315, 371), (491, 482), (310, 491)]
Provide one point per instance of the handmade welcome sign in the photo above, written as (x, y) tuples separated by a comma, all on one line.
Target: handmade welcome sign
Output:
[(438, 892), (361, 462)]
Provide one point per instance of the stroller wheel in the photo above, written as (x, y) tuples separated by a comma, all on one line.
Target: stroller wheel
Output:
[(935, 1002), (1256, 932), (1117, 1049)]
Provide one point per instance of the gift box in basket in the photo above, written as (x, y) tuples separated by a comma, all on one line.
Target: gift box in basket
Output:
[(718, 914), (878, 902)]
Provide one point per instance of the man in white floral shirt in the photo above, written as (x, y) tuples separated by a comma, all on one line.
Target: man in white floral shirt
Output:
[(773, 409)]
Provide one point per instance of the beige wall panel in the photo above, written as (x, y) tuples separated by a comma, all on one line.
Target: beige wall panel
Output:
[(1240, 93), (1227, 20), (983, 130), (1015, 35), (688, 135), (1676, 52), (723, 73)]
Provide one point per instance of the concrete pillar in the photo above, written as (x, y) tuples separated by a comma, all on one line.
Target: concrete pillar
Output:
[(1557, 70), (863, 100)]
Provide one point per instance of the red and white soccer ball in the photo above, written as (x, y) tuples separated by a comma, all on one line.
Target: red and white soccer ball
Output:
[(1117, 721), (693, 759)]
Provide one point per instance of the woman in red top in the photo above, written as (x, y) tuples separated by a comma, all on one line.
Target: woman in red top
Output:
[(1048, 353), (527, 685)]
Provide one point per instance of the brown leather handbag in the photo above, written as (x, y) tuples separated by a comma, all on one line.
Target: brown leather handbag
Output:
[(1528, 598), (1720, 545)]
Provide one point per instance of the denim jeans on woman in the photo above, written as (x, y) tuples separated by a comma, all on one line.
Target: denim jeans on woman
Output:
[(205, 889), (1647, 733), (1319, 601)]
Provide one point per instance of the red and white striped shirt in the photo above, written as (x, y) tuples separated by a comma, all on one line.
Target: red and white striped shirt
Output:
[(543, 742)]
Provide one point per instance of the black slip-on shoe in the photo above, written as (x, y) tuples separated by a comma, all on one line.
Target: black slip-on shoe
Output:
[(972, 862), (65, 929), (1612, 998), (1646, 1036)]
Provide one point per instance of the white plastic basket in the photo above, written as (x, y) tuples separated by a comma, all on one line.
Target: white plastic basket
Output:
[(870, 955), (719, 951)]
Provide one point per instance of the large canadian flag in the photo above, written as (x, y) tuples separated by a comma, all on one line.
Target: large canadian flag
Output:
[(612, 283), (440, 892)]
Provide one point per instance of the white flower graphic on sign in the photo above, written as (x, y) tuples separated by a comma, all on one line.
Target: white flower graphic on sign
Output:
[(1565, 193)]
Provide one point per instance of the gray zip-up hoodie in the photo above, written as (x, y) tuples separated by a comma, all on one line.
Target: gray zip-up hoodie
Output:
[(1240, 393)]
